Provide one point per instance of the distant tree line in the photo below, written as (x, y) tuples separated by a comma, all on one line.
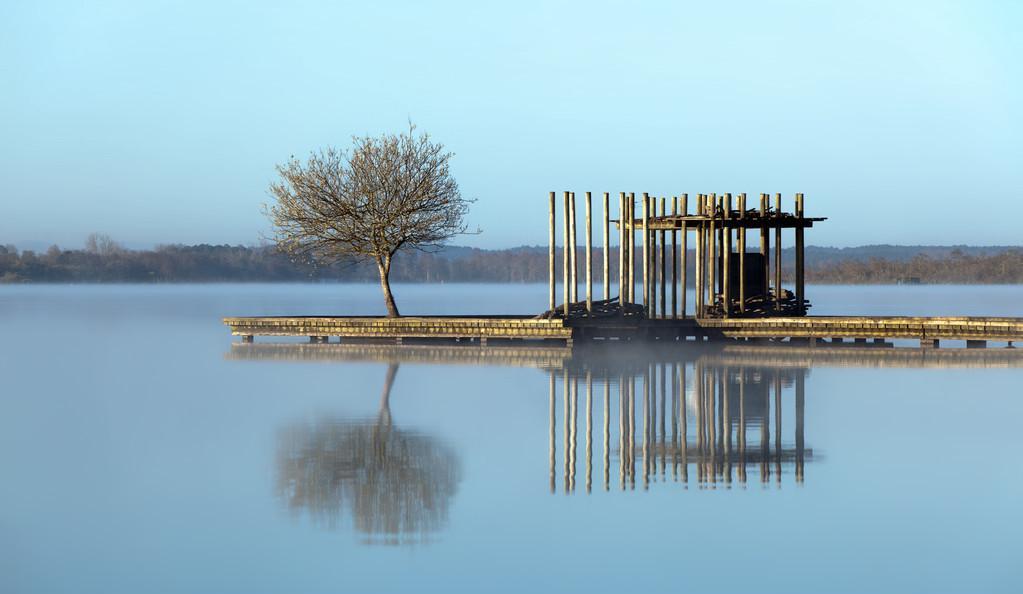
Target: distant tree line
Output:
[(105, 261)]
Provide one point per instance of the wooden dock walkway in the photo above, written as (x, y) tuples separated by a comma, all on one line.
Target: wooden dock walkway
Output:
[(929, 331)]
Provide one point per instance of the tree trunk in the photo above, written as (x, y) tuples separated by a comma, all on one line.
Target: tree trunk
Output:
[(384, 266)]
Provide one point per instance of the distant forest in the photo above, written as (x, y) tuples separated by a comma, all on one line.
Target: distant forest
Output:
[(105, 261)]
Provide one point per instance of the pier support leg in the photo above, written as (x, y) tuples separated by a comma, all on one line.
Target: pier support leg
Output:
[(552, 296), (777, 255), (684, 254), (588, 260), (674, 262), (646, 256), (976, 344), (607, 246), (573, 253), (662, 253), (726, 259), (247, 338), (621, 251), (800, 260)]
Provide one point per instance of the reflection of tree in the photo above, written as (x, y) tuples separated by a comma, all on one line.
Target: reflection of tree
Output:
[(397, 485)]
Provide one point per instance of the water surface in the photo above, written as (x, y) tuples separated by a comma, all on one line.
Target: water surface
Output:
[(142, 451)]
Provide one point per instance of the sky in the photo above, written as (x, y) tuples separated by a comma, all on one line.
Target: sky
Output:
[(161, 122)]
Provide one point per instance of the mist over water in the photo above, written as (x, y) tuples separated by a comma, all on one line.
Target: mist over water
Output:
[(143, 450)]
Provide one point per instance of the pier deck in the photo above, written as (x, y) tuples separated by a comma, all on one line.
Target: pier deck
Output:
[(977, 331)]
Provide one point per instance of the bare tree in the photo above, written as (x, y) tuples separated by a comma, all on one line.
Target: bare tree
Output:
[(386, 194)]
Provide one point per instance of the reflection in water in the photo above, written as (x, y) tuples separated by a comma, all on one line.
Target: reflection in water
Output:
[(395, 484), (720, 423)]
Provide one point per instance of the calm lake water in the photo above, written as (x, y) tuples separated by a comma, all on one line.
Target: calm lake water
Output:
[(142, 452)]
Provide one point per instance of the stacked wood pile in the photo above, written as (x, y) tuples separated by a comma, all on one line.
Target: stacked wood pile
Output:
[(604, 308), (761, 306)]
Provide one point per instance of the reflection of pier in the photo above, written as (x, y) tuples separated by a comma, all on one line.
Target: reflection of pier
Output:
[(670, 420)]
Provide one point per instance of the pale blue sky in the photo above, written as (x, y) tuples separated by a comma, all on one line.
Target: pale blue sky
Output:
[(161, 121)]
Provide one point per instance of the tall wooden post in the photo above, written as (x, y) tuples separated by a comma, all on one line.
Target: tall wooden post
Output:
[(646, 254), (552, 296), (720, 260), (684, 254), (765, 248), (622, 297), (674, 261), (565, 291), (726, 260), (777, 253), (742, 253), (574, 255), (607, 246), (712, 252), (663, 274), (800, 258), (589, 253), (698, 268), (630, 261)]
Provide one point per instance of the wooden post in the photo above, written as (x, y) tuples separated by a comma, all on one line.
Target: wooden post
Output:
[(742, 253), (726, 259), (674, 261), (777, 253), (565, 261), (663, 275), (712, 252), (550, 259), (698, 265), (684, 254), (607, 246), (622, 297), (719, 258), (573, 254), (646, 254), (765, 248), (630, 261), (800, 258), (589, 253)]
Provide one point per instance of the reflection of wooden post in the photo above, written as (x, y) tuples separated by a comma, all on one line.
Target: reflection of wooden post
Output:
[(683, 422), (566, 393), (622, 414), (765, 435), (684, 254), (800, 407), (607, 246), (800, 258), (607, 431), (726, 419), (742, 425), (777, 253), (575, 426), (550, 259), (553, 430), (574, 253), (589, 430), (566, 262), (726, 260), (742, 253), (632, 433), (777, 426)]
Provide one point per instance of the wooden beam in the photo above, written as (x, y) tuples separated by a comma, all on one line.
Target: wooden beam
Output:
[(566, 293), (674, 262), (684, 257), (662, 276), (574, 253), (698, 267), (765, 248), (712, 252), (552, 296), (607, 246), (646, 254), (632, 247), (589, 252), (777, 255), (800, 260), (742, 255), (622, 297), (726, 260)]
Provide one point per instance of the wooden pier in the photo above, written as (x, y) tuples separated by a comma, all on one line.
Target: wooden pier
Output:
[(739, 293)]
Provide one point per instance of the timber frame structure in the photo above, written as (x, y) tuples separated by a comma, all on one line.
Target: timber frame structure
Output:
[(730, 281)]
